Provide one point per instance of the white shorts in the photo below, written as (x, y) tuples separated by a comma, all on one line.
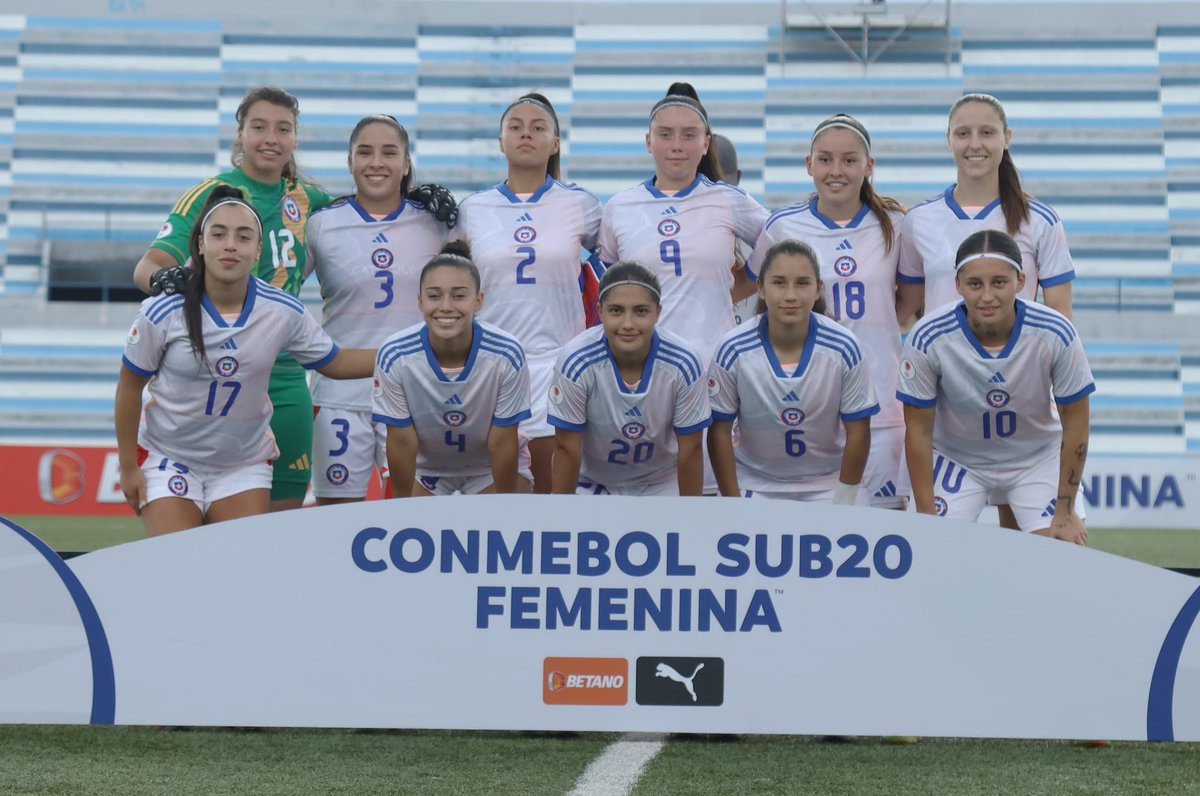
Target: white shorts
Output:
[(805, 495), (668, 487), (474, 484), (541, 374), (881, 481), (1031, 490), (166, 478), (347, 450)]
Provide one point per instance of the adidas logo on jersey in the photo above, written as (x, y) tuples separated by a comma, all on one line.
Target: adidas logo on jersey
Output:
[(525, 219), (634, 412), (670, 211), (845, 246), (380, 238), (454, 400), (887, 490), (791, 396), (997, 378), (302, 463), (229, 345)]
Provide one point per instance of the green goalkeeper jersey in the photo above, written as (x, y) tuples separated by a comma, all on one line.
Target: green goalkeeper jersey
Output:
[(284, 207)]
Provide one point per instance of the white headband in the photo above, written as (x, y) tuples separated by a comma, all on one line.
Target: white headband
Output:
[(679, 101), (535, 102), (844, 126), (232, 201), (990, 256), (607, 288)]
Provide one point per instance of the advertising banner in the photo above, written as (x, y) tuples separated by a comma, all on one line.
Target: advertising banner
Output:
[(613, 613)]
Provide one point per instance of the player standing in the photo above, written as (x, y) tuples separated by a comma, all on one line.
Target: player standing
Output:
[(526, 235), (367, 251), (628, 400), (203, 451), (976, 379), (792, 379), (452, 390), (855, 234)]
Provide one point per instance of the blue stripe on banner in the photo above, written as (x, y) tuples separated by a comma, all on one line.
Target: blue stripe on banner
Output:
[(257, 69), (100, 75), (532, 58), (1056, 45), (659, 45), (94, 129), (104, 682), (143, 103), (489, 81), (1161, 699), (142, 156), (671, 69), (291, 42), (127, 50)]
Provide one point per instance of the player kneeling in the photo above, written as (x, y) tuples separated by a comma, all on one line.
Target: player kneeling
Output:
[(976, 379), (203, 449), (628, 402), (452, 390)]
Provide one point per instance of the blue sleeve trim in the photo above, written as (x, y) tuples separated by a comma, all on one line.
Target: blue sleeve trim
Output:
[(683, 431), (1079, 396), (136, 370), (558, 422), (1061, 279), (920, 403), (850, 417), (910, 280), (391, 421), (505, 422), (723, 417), (325, 360)]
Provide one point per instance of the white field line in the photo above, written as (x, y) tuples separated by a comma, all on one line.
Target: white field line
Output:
[(619, 767)]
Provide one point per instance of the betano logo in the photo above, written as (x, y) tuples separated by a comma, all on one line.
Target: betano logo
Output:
[(585, 681)]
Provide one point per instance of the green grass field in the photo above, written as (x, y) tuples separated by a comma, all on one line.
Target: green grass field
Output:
[(141, 760)]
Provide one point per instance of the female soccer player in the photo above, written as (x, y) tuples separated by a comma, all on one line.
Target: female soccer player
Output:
[(368, 251), (792, 379), (203, 450), (684, 223), (451, 391), (526, 235), (628, 400), (855, 235), (987, 195), (976, 379)]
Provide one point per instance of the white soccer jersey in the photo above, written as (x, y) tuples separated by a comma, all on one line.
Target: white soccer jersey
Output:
[(370, 274), (790, 423), (859, 273), (628, 435), (528, 253), (993, 409), (216, 414), (688, 241), (934, 230), (452, 415)]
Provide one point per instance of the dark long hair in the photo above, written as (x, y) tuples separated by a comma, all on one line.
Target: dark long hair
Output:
[(275, 96), (455, 254), (631, 271), (799, 249), (987, 240), (390, 121), (554, 164), (194, 294), (685, 93), (879, 205), (1013, 199)]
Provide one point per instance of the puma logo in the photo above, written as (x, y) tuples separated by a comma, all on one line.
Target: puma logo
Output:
[(663, 670)]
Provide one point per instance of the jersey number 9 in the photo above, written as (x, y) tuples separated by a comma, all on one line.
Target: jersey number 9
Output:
[(668, 250)]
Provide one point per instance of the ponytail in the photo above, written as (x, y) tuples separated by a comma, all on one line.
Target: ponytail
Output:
[(1014, 202)]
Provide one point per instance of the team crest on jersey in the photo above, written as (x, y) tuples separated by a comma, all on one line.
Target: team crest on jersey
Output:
[(337, 474), (525, 235), (845, 266), (377, 387), (134, 337), (454, 418), (668, 228), (178, 485), (907, 370), (792, 416), (291, 209), (556, 394), (997, 399), (165, 230), (714, 386), (633, 431), (226, 367), (939, 506), (382, 258)]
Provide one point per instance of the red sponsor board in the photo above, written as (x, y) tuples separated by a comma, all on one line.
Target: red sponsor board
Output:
[(67, 479)]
